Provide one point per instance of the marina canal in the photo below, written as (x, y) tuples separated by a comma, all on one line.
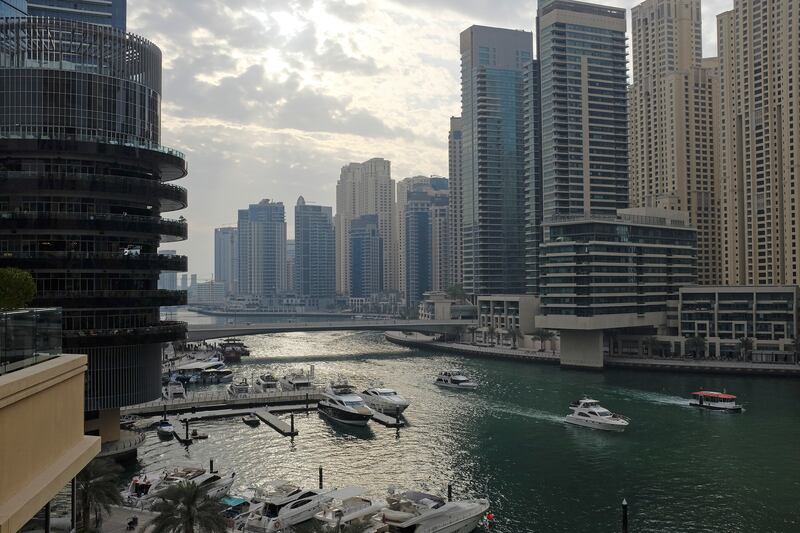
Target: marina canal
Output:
[(680, 468)]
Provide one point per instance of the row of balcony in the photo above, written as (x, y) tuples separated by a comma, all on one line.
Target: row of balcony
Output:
[(110, 299), (166, 331), (169, 230), (93, 261)]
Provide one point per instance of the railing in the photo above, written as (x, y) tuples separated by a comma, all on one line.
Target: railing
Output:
[(88, 260), (164, 332), (121, 223), (127, 298), (95, 139), (200, 398), (123, 444)]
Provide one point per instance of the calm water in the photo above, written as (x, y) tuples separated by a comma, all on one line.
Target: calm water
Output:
[(680, 468)]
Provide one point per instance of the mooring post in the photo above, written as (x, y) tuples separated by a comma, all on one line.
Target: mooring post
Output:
[(449, 492), (320, 477), (306, 403), (211, 466), (291, 423), (165, 411), (186, 421), (624, 515)]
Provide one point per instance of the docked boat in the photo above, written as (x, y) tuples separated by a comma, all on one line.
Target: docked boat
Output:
[(297, 380), (127, 421), (216, 375), (589, 413), (340, 402), (267, 382), (233, 350), (279, 518), (352, 513), (238, 508), (418, 512), (385, 400), (174, 390), (165, 429), (251, 420), (143, 490), (455, 379), (237, 389), (717, 401)]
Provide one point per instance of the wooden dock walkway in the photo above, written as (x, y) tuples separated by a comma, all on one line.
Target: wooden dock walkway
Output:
[(220, 400), (263, 413), (389, 421)]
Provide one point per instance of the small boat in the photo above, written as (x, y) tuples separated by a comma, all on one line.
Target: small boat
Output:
[(347, 514), (455, 379), (297, 380), (717, 401), (216, 375), (297, 511), (144, 490), (589, 413), (417, 511), (174, 391), (165, 429), (385, 400), (238, 508), (199, 436), (127, 421), (251, 420), (236, 389), (340, 402), (267, 382), (233, 350)]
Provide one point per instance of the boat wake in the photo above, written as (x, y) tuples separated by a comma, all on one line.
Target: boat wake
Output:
[(528, 413), (654, 397)]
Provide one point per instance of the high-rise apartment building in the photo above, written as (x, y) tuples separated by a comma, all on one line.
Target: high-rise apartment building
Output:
[(262, 250), (364, 189), (315, 251), (167, 280), (454, 212), (533, 174), (426, 247), (759, 142), (493, 158), (226, 258), (104, 12), (672, 122), (290, 263), (366, 257), (581, 52)]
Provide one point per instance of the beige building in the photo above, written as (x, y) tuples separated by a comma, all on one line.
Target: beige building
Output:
[(455, 212), (759, 142), (672, 103), (366, 188)]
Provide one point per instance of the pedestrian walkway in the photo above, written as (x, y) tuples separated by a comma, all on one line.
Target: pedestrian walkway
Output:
[(426, 342), (705, 365)]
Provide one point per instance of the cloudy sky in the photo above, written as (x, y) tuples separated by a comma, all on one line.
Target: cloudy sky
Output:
[(270, 98)]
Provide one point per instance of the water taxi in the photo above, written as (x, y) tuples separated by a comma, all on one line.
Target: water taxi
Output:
[(718, 401)]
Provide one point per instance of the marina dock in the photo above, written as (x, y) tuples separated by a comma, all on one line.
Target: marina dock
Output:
[(264, 414), (219, 400), (388, 420)]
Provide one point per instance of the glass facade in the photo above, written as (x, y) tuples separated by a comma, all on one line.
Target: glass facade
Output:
[(261, 234), (533, 173), (106, 12), (314, 253), (366, 257), (28, 336), (13, 8)]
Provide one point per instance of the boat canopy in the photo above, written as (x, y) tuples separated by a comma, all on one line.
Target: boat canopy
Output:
[(715, 395)]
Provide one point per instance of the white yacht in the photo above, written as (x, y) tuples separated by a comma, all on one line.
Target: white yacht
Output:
[(416, 512), (340, 402), (716, 401), (349, 513), (236, 389), (143, 490), (165, 429), (455, 379), (297, 511), (174, 390), (267, 382), (216, 375), (385, 400), (589, 413), (297, 380)]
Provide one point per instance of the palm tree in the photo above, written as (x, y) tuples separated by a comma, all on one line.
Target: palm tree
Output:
[(746, 347), (543, 335), (186, 508), (97, 490), (696, 345)]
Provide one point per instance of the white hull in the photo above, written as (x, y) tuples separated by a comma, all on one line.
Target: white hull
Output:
[(386, 407), (716, 406), (358, 422), (594, 424), (469, 386)]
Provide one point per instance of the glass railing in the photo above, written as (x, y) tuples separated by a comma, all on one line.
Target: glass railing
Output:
[(131, 143), (28, 336)]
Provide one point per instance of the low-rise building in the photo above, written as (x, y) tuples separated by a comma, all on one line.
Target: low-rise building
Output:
[(208, 294), (507, 319), (436, 305)]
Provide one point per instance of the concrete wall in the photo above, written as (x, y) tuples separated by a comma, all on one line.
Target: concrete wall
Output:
[(42, 445), (582, 348)]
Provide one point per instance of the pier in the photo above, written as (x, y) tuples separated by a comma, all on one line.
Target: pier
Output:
[(218, 400), (263, 413)]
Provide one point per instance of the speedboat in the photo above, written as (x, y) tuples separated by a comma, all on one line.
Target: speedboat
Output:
[(297, 511), (235, 389), (589, 413), (251, 420), (340, 402), (267, 382), (143, 490), (424, 513), (165, 429), (174, 391), (385, 400), (718, 401), (353, 511), (297, 380), (455, 379)]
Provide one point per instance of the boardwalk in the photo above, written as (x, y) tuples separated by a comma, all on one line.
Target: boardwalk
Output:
[(216, 400)]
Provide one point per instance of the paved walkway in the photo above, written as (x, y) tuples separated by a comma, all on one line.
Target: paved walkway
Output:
[(426, 342), (690, 365), (117, 520)]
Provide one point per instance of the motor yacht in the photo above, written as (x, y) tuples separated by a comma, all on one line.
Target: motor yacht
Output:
[(165, 429), (297, 511), (232, 350), (174, 390), (267, 382), (455, 379), (417, 512), (340, 402), (384, 399), (349, 514), (297, 380), (589, 413), (717, 401), (237, 389), (238, 508), (216, 375), (143, 490), (251, 420)]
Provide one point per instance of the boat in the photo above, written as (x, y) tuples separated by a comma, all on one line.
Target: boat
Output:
[(340, 402), (233, 350), (718, 401), (165, 429), (455, 379), (589, 413), (301, 509), (236, 389), (418, 512), (238, 508), (385, 400), (174, 391), (127, 421), (216, 375), (351, 513), (251, 420), (297, 380), (199, 436), (143, 490), (267, 382)]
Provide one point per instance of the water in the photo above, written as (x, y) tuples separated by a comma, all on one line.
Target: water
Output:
[(680, 468)]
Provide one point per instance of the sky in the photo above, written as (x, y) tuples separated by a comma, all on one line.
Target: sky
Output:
[(270, 98)]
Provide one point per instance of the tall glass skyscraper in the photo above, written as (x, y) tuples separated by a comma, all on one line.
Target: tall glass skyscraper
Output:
[(493, 158), (366, 257), (261, 233), (106, 12), (581, 52), (226, 257), (315, 252)]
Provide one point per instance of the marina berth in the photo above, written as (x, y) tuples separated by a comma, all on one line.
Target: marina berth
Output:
[(298, 380), (716, 401), (143, 491), (267, 382), (278, 517), (589, 413), (352, 511), (417, 512)]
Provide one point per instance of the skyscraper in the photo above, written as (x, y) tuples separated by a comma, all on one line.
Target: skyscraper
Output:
[(581, 52), (290, 264), (426, 233), (226, 258), (533, 174), (759, 142), (168, 280), (365, 189), (454, 213), (672, 122), (366, 257), (262, 250), (104, 12), (315, 253), (493, 158)]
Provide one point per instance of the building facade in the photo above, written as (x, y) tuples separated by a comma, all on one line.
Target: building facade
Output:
[(226, 258), (168, 280), (366, 257), (83, 186), (13, 8), (262, 250), (365, 189), (533, 174), (315, 252), (493, 158), (759, 143), (581, 52), (455, 220), (104, 12), (672, 122)]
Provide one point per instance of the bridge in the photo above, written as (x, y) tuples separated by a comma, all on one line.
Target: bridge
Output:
[(200, 332)]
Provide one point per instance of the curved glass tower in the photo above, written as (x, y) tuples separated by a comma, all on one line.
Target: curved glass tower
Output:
[(84, 182)]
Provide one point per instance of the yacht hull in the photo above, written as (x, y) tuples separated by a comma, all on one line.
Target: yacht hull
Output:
[(387, 408), (735, 409), (471, 386), (592, 424), (344, 417)]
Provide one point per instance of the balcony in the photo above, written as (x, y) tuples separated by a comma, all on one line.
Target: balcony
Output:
[(92, 261), (111, 299), (28, 336), (169, 230), (163, 332)]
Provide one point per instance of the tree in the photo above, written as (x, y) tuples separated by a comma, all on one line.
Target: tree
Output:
[(97, 490), (17, 289), (456, 292), (543, 335), (746, 348), (472, 330), (696, 345), (186, 508)]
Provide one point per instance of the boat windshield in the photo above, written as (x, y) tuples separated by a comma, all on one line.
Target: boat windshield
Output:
[(388, 393), (355, 403), (459, 379), (602, 412)]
